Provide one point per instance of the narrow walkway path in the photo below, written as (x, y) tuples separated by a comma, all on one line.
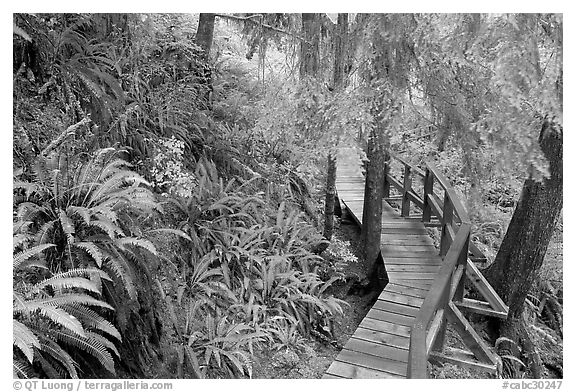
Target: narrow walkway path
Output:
[(379, 347)]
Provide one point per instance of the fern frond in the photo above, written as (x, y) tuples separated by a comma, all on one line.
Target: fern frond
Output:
[(82, 212), (20, 239), (67, 299), (29, 187), (28, 212), (113, 167), (90, 345), (93, 250), (24, 339), (56, 315), (43, 235), (24, 255), (137, 242), (50, 366), (106, 226), (63, 283), (114, 184), (104, 342), (92, 320), (55, 351), (21, 369), (123, 273), (175, 232), (87, 273), (67, 226)]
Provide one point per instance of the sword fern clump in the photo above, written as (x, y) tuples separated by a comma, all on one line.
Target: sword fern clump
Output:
[(58, 318), (76, 222)]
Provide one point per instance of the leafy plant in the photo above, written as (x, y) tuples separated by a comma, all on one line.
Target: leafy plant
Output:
[(508, 350), (54, 323), (88, 212)]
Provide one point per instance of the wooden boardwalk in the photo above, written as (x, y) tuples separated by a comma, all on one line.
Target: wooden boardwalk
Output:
[(379, 347)]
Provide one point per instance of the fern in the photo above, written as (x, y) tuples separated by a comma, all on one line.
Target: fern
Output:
[(89, 344), (24, 255), (55, 351), (93, 250), (92, 320), (62, 283), (24, 339)]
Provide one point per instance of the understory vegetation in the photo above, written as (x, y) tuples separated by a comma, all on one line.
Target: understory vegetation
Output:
[(167, 204)]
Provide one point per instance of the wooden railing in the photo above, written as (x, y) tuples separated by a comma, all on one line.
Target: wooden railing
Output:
[(446, 295)]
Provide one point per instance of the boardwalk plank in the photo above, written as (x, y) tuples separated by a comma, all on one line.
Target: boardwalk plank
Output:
[(407, 321), (412, 268), (346, 370), (395, 288), (379, 350), (393, 334), (397, 308), (403, 299), (373, 362)]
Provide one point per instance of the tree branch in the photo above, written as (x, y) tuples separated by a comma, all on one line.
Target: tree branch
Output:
[(251, 18)]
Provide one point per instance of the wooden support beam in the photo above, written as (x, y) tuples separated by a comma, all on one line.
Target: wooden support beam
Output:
[(471, 339), (487, 291), (462, 358), (480, 307), (433, 331)]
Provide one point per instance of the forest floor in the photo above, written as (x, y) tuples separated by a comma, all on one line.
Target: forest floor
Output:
[(313, 357)]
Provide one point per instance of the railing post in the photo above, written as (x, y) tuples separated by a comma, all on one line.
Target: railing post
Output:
[(428, 190), (438, 344), (447, 221), (407, 188), (386, 174), (462, 260)]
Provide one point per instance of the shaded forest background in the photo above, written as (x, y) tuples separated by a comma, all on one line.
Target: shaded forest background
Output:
[(172, 201)]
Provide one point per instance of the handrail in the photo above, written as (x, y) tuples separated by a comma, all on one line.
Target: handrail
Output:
[(436, 299), (456, 202), (454, 244)]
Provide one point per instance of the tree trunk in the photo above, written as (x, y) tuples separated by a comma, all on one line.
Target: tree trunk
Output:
[(531, 227), (524, 246), (340, 43), (372, 215), (330, 196), (310, 47), (205, 32), (339, 49)]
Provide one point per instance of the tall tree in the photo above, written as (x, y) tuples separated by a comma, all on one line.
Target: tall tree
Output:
[(504, 93), (310, 45), (340, 40), (385, 49), (205, 32), (526, 241), (522, 252)]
